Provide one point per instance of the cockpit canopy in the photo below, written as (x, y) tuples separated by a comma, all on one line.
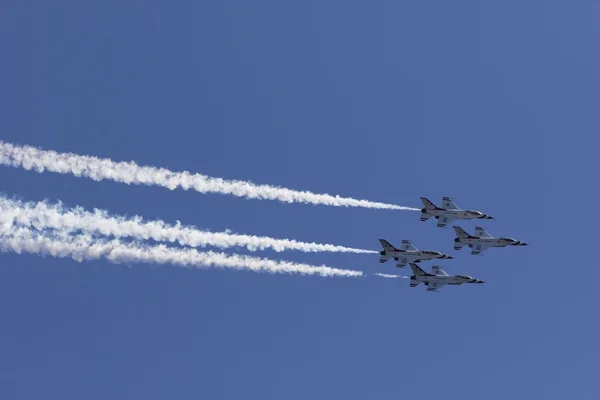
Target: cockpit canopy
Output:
[(433, 253), (475, 213), (464, 277), (508, 239)]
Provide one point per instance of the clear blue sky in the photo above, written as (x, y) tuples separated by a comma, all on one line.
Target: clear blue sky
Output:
[(494, 103)]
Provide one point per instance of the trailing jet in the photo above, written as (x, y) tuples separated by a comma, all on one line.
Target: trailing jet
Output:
[(437, 278), (408, 254), (448, 213), (481, 241)]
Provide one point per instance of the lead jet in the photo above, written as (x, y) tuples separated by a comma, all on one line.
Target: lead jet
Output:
[(408, 254), (448, 213), (481, 241), (437, 278)]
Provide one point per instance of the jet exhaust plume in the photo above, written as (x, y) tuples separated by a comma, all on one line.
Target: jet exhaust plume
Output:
[(32, 158), (390, 276), (84, 248), (43, 215)]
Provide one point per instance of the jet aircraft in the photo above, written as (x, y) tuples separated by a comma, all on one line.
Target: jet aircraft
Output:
[(448, 213), (481, 241), (437, 278), (408, 254)]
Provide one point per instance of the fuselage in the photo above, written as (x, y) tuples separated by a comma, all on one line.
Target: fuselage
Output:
[(448, 280), (490, 242), (455, 214), (423, 255)]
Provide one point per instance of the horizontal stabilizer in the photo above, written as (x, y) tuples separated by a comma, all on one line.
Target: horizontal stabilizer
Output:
[(445, 220), (458, 245)]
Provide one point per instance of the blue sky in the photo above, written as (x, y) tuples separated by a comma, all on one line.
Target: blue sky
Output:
[(494, 103)]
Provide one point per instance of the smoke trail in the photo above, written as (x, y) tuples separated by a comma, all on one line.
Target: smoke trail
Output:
[(46, 216), (389, 276), (31, 158), (84, 247)]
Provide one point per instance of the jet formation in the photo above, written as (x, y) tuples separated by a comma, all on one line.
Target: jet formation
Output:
[(408, 254)]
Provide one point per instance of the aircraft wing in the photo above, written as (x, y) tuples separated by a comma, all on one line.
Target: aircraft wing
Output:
[(445, 220), (479, 248), (480, 232), (408, 246), (448, 204), (404, 260), (438, 271), (435, 285)]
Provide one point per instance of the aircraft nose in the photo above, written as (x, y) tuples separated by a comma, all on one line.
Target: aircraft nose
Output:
[(478, 281), (490, 217), (449, 257)]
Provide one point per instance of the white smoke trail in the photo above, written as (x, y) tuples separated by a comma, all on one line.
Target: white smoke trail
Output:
[(84, 247), (46, 216), (390, 276), (31, 158)]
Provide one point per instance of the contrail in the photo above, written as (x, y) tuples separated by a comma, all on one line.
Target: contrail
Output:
[(32, 158), (84, 247), (390, 276), (47, 216)]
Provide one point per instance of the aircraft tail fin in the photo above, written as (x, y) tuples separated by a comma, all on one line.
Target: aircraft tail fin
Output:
[(418, 271), (427, 204), (386, 245), (460, 233)]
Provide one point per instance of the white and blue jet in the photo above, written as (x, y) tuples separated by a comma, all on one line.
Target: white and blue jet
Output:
[(408, 254), (437, 279), (481, 241), (448, 213)]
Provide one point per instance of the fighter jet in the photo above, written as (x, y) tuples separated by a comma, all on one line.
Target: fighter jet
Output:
[(408, 254), (437, 278), (448, 213), (481, 241)]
